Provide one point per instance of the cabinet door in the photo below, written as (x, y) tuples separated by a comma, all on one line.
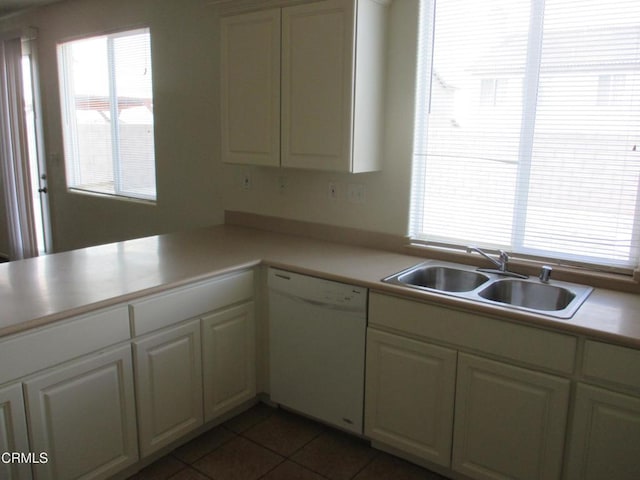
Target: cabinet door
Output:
[(250, 88), (228, 352), (13, 432), (317, 85), (409, 395), (605, 440), (168, 385), (509, 423), (83, 416)]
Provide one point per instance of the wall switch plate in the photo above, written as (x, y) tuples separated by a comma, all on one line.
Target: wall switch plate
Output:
[(333, 191), (282, 184), (356, 193), (246, 180)]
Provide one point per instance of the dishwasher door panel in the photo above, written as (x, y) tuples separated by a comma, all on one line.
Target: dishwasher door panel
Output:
[(317, 360)]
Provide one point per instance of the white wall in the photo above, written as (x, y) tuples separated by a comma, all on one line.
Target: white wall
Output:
[(193, 187)]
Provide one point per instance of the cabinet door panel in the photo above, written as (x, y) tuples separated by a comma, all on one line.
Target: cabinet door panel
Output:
[(317, 85), (83, 416), (13, 432), (228, 359), (168, 385), (409, 395), (510, 422), (250, 83), (605, 440)]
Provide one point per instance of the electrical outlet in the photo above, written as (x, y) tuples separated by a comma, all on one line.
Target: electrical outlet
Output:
[(356, 193), (333, 191), (246, 181)]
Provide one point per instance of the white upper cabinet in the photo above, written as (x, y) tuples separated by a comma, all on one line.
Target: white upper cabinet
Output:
[(250, 101), (325, 98)]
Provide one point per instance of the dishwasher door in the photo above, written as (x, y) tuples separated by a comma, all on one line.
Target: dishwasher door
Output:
[(317, 347)]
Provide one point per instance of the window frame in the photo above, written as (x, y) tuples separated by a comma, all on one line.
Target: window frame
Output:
[(70, 128), (418, 186)]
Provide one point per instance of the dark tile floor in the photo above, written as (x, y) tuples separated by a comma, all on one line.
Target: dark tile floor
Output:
[(271, 444)]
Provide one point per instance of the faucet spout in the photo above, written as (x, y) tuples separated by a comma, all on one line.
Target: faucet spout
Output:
[(502, 263)]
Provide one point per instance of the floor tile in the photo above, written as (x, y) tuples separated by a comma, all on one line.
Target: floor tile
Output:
[(202, 445), (385, 467), (238, 459), (335, 455), (284, 432), (161, 469), (291, 471), (251, 417), (188, 474)]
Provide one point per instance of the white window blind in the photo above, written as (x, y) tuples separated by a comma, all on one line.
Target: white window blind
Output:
[(527, 132), (107, 104)]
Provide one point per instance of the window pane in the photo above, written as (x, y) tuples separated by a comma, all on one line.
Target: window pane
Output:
[(133, 83), (108, 114), (584, 176), (472, 138), (528, 127)]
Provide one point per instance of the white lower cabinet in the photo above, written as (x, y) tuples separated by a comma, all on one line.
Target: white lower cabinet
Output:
[(409, 395), (605, 437), (229, 359), (83, 416), (168, 385), (13, 433), (509, 421)]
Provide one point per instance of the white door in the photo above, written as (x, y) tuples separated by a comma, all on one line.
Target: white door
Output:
[(83, 416), (605, 439), (168, 385), (35, 140), (228, 359), (250, 88), (509, 422), (317, 85), (13, 432), (409, 395)]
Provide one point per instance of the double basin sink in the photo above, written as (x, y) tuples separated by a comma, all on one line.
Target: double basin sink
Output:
[(553, 298)]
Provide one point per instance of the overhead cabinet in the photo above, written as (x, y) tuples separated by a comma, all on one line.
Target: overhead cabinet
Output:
[(302, 86)]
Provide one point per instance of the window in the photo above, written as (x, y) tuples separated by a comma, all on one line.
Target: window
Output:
[(107, 107), (527, 134)]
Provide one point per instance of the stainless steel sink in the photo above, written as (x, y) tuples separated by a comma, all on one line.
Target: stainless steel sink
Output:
[(438, 277), (554, 298), (526, 294)]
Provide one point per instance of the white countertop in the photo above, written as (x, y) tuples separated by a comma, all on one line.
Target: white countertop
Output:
[(42, 290)]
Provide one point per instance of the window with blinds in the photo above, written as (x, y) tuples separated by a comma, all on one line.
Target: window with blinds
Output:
[(527, 133), (107, 105)]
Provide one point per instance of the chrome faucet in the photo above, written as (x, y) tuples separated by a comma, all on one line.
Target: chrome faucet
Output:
[(502, 262)]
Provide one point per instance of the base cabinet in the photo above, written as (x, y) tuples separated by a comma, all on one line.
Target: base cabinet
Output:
[(229, 359), (13, 432), (509, 422), (83, 416), (168, 385), (605, 438), (409, 395)]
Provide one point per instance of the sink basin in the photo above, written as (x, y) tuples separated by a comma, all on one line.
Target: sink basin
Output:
[(447, 279), (556, 299), (529, 295)]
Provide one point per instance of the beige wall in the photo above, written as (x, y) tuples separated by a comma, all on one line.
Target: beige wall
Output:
[(193, 187)]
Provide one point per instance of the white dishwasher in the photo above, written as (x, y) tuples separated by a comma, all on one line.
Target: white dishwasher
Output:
[(317, 343)]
